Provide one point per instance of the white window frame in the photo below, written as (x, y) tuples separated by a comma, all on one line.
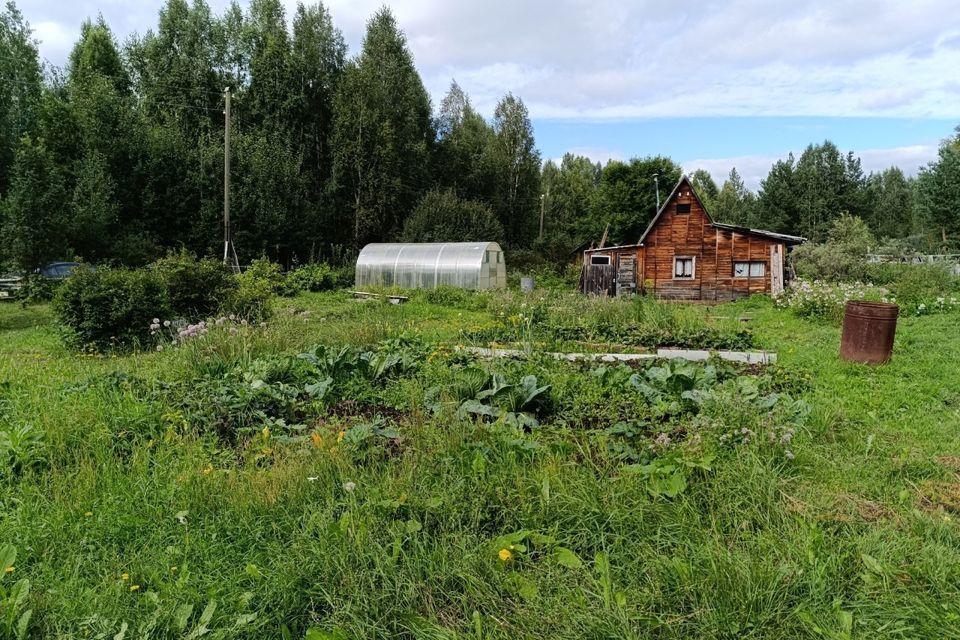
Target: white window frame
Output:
[(750, 264), (693, 267), (603, 256)]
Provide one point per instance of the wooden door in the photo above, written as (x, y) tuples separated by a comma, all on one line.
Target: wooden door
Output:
[(626, 274), (599, 279), (776, 271)]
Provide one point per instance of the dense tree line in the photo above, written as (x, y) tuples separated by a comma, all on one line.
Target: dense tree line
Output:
[(118, 157)]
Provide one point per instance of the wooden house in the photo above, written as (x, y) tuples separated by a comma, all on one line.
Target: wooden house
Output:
[(685, 255)]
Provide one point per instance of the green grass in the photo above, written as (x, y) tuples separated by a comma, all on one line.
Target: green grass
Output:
[(855, 537)]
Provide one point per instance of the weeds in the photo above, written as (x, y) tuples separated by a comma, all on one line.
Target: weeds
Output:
[(259, 485)]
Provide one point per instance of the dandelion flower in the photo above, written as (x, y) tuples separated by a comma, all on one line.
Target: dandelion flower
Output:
[(125, 576), (208, 469), (88, 514), (505, 555), (134, 587), (341, 435), (173, 568), (9, 570), (349, 487), (316, 438)]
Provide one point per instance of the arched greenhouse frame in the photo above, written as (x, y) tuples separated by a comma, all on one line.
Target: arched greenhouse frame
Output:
[(466, 265)]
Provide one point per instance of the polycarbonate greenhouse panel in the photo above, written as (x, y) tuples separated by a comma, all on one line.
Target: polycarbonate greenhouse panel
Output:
[(467, 265)]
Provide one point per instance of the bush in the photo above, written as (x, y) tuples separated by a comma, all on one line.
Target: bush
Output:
[(917, 284), (269, 274), (195, 288), (841, 258), (826, 300), (110, 308), (253, 298), (828, 262), (316, 276)]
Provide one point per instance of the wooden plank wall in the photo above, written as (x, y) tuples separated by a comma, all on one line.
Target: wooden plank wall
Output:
[(715, 251)]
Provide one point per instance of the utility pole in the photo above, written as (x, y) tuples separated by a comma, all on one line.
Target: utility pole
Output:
[(229, 251), (542, 200)]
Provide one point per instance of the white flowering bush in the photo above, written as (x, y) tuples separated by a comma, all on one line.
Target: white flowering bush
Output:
[(821, 299), (827, 299), (940, 304)]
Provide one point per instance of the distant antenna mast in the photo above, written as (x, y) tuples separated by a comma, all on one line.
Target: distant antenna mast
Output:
[(656, 184), (229, 251)]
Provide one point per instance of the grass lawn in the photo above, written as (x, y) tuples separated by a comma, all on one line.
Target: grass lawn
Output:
[(135, 508)]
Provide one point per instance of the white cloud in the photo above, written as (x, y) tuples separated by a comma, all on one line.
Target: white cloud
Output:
[(754, 168), (643, 58)]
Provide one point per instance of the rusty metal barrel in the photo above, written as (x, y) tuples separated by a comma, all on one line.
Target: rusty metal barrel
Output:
[(868, 331)]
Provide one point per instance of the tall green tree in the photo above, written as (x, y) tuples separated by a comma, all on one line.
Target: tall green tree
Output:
[(939, 192), (517, 165), (34, 225), (568, 191), (893, 204), (626, 198), (734, 204), (20, 85), (706, 188), (317, 59), (383, 134), (778, 208), (96, 55), (94, 211), (269, 100), (465, 153), (827, 184)]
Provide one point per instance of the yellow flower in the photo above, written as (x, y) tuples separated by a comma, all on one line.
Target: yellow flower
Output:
[(505, 554), (134, 587), (9, 570), (266, 433), (88, 514), (208, 469), (317, 439), (173, 568), (125, 577), (341, 435)]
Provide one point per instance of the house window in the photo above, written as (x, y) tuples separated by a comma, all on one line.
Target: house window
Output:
[(683, 209), (683, 268), (749, 269), (599, 259)]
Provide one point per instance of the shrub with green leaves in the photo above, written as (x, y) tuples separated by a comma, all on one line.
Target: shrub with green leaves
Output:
[(269, 274), (315, 276), (111, 308), (253, 298), (195, 288)]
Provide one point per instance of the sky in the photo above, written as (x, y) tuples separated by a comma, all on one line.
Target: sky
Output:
[(711, 83)]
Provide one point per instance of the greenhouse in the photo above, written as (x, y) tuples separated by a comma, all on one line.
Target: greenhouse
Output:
[(467, 265)]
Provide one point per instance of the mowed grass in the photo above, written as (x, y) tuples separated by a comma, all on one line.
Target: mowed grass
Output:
[(134, 521)]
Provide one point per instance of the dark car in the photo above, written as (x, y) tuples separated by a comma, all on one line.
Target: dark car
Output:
[(60, 270)]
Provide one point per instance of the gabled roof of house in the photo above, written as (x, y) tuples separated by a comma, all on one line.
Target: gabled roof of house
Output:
[(787, 239), (666, 203)]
